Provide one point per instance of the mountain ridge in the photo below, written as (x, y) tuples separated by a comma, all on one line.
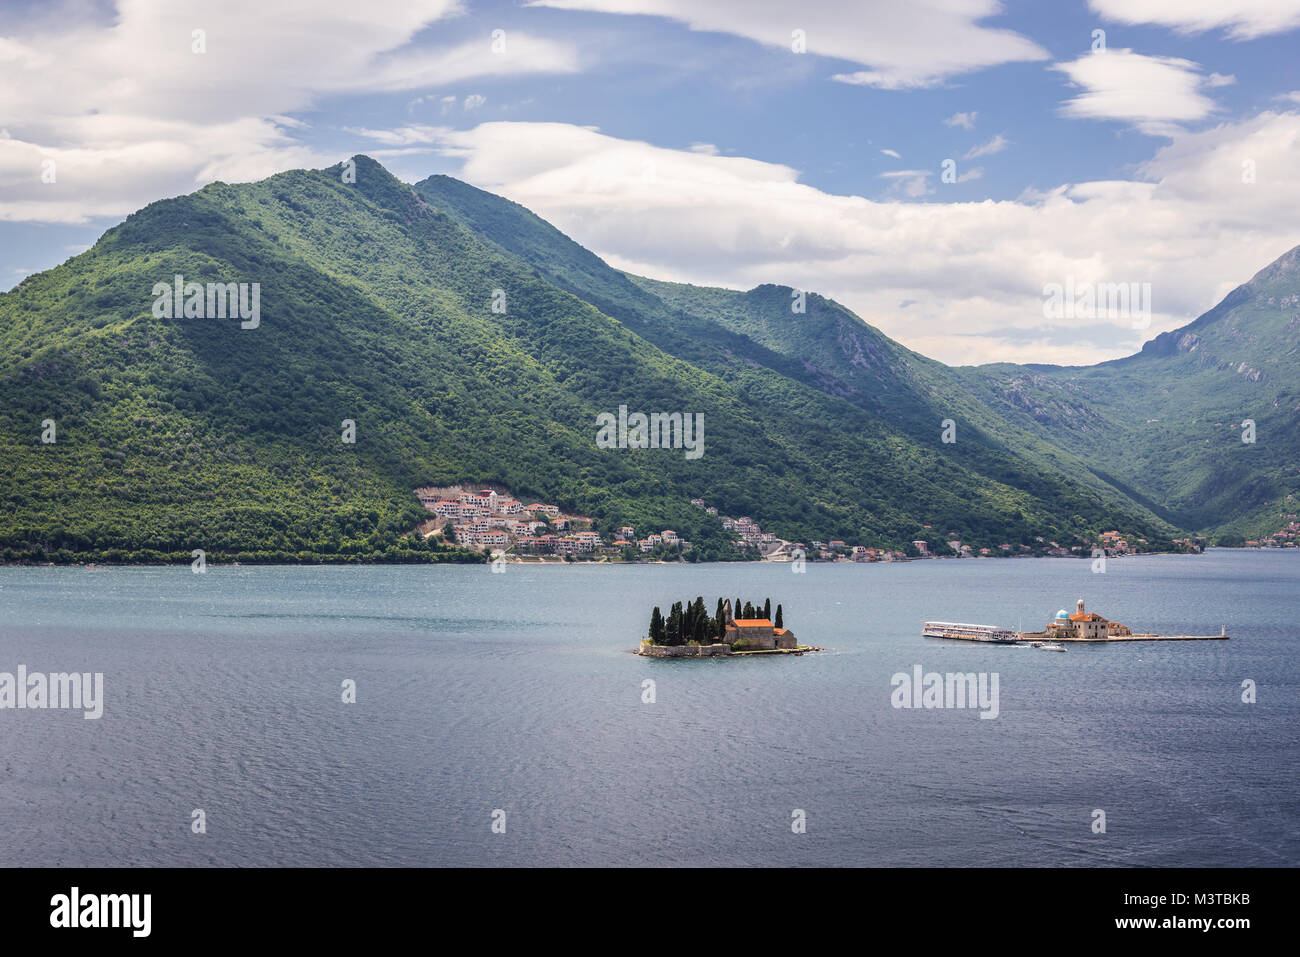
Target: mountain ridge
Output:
[(377, 304)]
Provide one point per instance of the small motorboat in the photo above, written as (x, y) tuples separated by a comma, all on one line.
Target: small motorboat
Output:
[(1048, 645)]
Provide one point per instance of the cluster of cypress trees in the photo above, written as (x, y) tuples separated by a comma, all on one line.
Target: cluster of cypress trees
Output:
[(693, 622)]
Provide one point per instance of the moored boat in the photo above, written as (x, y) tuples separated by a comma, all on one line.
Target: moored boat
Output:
[(964, 631)]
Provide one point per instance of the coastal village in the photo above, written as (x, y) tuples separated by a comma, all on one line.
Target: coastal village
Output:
[(491, 519), (1288, 536)]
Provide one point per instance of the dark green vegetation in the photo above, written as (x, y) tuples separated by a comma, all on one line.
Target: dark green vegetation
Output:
[(864, 412), (692, 624), (1166, 425), (1157, 434), (376, 306)]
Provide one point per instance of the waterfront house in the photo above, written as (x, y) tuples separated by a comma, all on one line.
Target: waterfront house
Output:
[(757, 634)]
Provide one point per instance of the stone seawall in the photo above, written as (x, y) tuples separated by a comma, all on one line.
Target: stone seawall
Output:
[(684, 651), (1136, 636)]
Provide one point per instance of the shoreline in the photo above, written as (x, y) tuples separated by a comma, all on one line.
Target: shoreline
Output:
[(1146, 636), (553, 560), (715, 650)]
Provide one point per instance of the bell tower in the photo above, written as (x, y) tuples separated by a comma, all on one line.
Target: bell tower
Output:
[(1080, 606)]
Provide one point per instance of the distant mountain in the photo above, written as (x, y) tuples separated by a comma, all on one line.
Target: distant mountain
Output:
[(1166, 425), (470, 341)]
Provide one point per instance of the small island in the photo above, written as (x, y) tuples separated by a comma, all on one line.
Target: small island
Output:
[(690, 632), (1083, 626)]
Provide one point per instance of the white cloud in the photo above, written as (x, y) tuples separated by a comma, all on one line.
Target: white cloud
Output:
[(995, 145), (912, 183), (473, 102), (1187, 224), (916, 44), (708, 149), (128, 111), (403, 135), (1242, 19), (891, 153), (422, 67), (1153, 93), (965, 120)]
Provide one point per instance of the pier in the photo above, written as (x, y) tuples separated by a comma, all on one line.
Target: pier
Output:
[(1045, 636)]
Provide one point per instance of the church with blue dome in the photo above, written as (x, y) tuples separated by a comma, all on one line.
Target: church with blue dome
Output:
[(1084, 625)]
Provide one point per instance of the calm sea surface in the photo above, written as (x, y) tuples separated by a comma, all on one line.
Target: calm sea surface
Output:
[(517, 691)]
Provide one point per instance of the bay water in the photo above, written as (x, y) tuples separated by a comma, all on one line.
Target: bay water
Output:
[(479, 692)]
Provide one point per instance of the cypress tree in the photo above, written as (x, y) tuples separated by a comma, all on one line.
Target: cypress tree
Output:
[(749, 611), (673, 634), (767, 608), (779, 623), (657, 626), (736, 610), (719, 622)]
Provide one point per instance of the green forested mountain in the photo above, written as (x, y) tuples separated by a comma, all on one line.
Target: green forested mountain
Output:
[(1167, 423), (469, 341), (1133, 431)]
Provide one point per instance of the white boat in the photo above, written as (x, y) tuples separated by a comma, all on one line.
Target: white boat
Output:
[(1048, 645)]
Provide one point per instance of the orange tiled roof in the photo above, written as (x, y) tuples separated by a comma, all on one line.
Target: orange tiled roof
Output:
[(754, 622)]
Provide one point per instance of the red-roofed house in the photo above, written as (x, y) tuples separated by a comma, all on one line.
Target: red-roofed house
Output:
[(757, 634)]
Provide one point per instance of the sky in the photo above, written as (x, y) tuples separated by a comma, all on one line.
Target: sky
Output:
[(944, 168)]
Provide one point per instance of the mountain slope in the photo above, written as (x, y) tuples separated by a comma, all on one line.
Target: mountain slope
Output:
[(377, 306), (1167, 422), (824, 347), (846, 356), (1122, 429)]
